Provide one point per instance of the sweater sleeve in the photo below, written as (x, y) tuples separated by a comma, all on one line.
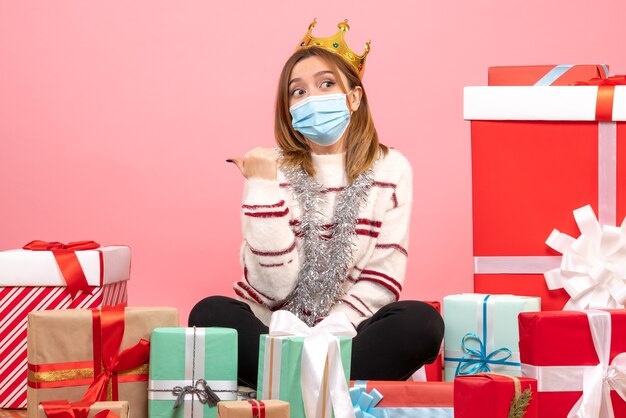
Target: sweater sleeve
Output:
[(380, 281), (269, 256)]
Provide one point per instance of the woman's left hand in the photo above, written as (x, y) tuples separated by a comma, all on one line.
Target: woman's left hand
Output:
[(259, 163)]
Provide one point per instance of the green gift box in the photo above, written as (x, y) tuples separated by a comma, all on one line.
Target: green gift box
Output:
[(482, 333), (280, 369), (188, 367)]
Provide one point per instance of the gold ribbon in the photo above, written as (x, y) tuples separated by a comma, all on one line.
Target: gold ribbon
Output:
[(68, 375), (516, 383)]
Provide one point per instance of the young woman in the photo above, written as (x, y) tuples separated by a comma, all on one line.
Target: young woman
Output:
[(325, 220)]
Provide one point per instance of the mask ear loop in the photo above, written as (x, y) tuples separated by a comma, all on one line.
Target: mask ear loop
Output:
[(347, 94)]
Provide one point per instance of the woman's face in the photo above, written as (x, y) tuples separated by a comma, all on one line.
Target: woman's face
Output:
[(313, 76)]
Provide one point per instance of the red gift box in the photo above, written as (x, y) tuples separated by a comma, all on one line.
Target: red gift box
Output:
[(411, 394), (35, 281), (548, 75), (489, 395), (66, 409), (559, 349), (432, 372), (538, 153), (402, 399)]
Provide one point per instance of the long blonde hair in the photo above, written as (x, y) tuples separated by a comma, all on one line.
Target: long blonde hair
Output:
[(361, 140)]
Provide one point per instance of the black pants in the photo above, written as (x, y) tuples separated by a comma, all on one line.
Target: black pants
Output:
[(391, 345)]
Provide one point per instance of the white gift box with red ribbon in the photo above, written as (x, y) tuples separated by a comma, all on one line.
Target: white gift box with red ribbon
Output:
[(33, 281)]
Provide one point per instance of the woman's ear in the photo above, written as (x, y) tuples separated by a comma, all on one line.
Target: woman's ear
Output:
[(354, 98)]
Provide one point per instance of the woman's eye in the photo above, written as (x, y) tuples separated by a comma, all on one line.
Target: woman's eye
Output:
[(297, 92), (328, 83)]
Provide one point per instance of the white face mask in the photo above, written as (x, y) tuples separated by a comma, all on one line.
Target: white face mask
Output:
[(323, 119)]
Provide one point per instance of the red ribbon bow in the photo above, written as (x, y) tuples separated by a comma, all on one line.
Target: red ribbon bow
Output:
[(615, 80), (65, 257), (606, 92), (258, 408), (108, 331), (65, 409)]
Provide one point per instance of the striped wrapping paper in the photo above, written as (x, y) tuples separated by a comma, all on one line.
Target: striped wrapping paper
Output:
[(17, 301), (15, 304)]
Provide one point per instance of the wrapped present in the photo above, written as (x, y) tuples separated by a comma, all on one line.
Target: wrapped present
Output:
[(253, 409), (307, 367), (191, 369), (92, 355), (544, 75), (490, 395), (481, 333), (432, 372), (65, 409), (46, 276), (12, 413), (387, 399), (538, 153), (579, 361)]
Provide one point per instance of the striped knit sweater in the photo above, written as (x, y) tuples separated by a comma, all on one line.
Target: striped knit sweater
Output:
[(271, 253)]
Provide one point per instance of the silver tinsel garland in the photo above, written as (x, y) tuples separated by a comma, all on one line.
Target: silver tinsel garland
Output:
[(326, 260)]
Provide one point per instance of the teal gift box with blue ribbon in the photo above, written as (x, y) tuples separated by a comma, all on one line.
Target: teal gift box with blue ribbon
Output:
[(191, 369), (482, 333)]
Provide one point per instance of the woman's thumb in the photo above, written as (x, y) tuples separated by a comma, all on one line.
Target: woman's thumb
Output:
[(238, 162)]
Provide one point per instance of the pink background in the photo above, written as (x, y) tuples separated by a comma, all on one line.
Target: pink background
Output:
[(116, 118)]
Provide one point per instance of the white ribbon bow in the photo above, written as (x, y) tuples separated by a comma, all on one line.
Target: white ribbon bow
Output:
[(321, 359), (598, 381), (593, 266)]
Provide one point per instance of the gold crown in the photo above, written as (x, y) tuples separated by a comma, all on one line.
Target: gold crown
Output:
[(337, 45)]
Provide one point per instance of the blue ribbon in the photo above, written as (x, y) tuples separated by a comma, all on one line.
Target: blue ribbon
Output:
[(556, 72), (478, 360), (363, 402), (553, 75), (414, 412)]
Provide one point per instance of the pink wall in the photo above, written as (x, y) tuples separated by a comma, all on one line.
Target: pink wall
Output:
[(116, 118)]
